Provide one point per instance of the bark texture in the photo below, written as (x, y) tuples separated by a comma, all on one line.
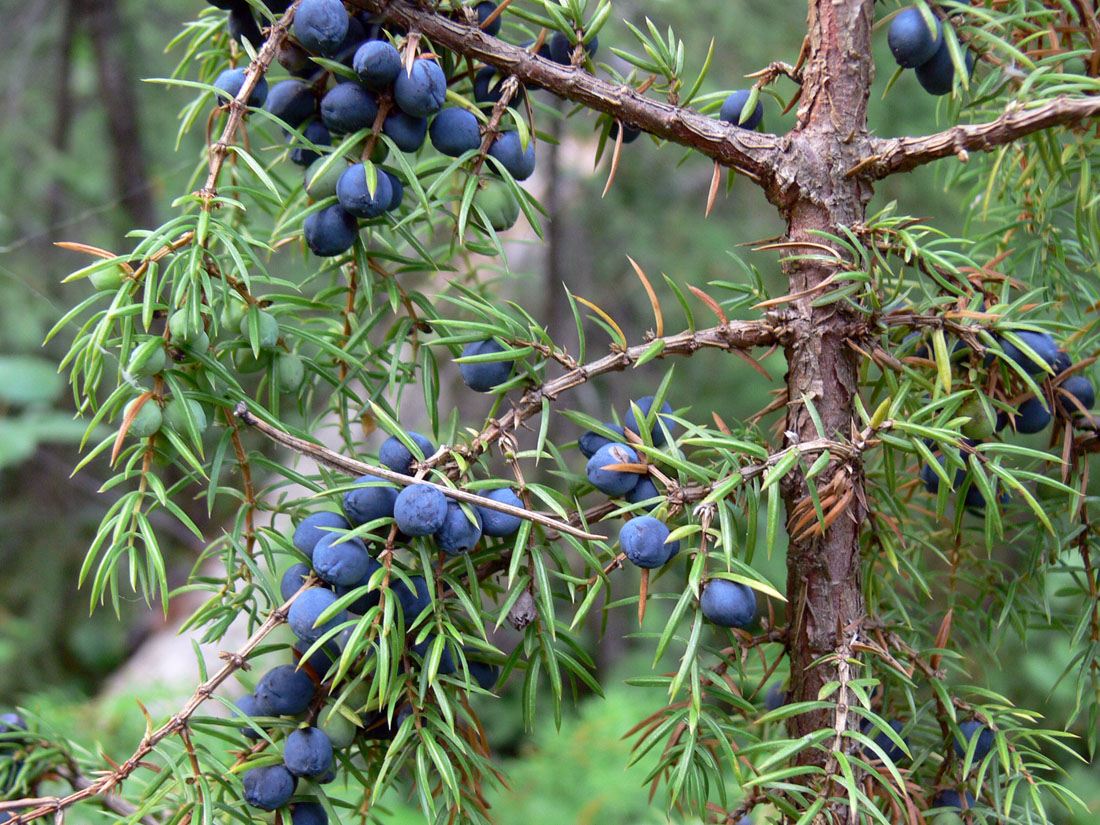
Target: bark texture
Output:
[(823, 572)]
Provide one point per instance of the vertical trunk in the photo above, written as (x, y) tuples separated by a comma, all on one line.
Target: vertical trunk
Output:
[(823, 571), (63, 109), (118, 92)]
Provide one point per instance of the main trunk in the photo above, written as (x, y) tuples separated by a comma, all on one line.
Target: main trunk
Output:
[(823, 570)]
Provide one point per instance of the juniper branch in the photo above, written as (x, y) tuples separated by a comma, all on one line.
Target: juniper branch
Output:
[(752, 154), (906, 153)]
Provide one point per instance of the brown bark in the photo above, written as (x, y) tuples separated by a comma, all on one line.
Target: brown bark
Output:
[(823, 572)]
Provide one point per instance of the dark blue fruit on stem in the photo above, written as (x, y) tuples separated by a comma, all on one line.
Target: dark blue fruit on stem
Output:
[(1041, 343), (12, 722), (291, 101), (734, 104), (365, 504), (612, 482), (413, 601), (421, 91), (485, 90), (283, 691), (420, 510), (1033, 416), (630, 133), (353, 192), (349, 107), (268, 787), (242, 26), (231, 81), (308, 813), (377, 63), (458, 534), (397, 189), (339, 560), (398, 457), (406, 131), (484, 674), (508, 149), (636, 423), (776, 697), (561, 49), (937, 75), (969, 730), (496, 523), (950, 798), (1082, 392), (644, 490), (293, 579), (483, 10), (308, 752), (320, 660), (321, 25), (727, 603), (483, 376), (455, 131), (591, 441), (316, 133), (893, 751), (912, 41), (248, 706), (307, 608), (1061, 362), (643, 539), (331, 231), (314, 526), (372, 597)]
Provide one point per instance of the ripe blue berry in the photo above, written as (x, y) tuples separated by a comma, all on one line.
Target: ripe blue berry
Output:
[(303, 614), (354, 194), (482, 376), (420, 510), (591, 441), (366, 504), (398, 457), (455, 131), (911, 40), (339, 560), (283, 691), (508, 149), (727, 603), (636, 424), (349, 107), (735, 103), (268, 787), (406, 131), (291, 101), (496, 523), (314, 527), (293, 579), (331, 231), (644, 540), (230, 82), (421, 91), (321, 25), (458, 534), (307, 752), (969, 730), (612, 482), (377, 63)]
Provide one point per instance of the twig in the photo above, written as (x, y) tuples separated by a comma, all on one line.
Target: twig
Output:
[(219, 151), (106, 784), (354, 467), (753, 154), (903, 154)]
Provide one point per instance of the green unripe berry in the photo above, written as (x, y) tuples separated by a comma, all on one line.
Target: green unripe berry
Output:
[(321, 183), (184, 329), (291, 371), (231, 316), (148, 358), (147, 420), (175, 414), (246, 361), (338, 728), (108, 278), (982, 423), (200, 343), (498, 203), (267, 329)]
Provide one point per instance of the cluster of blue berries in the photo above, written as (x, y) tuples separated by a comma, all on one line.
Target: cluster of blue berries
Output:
[(919, 46), (1067, 393), (411, 98)]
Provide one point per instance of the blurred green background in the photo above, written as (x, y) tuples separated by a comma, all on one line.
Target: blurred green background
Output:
[(88, 152)]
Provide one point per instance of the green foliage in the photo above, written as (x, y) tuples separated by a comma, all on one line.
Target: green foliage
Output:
[(221, 309)]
